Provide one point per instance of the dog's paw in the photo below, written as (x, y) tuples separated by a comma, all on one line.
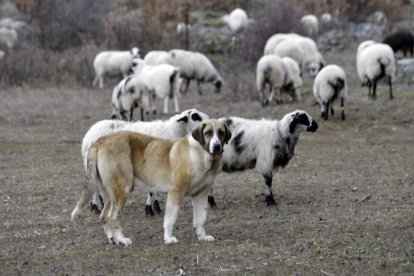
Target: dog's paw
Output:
[(207, 238), (124, 241), (171, 240)]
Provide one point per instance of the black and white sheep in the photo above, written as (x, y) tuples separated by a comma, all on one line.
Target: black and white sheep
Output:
[(374, 62), (113, 63), (329, 85), (272, 72), (401, 41), (177, 126), (264, 145), (195, 66), (128, 94)]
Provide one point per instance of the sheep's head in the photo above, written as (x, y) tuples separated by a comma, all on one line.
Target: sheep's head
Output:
[(135, 52), (299, 121), (217, 84), (191, 118)]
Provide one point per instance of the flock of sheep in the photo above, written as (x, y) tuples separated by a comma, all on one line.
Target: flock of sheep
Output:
[(263, 145)]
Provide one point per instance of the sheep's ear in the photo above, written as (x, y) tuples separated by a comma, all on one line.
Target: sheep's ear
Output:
[(198, 134), (183, 119)]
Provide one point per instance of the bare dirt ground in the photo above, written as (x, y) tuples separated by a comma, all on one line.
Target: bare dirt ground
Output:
[(345, 200)]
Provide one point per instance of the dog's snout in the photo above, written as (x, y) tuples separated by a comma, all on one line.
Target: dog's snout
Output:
[(217, 148)]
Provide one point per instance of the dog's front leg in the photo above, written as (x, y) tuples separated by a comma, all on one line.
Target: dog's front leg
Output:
[(171, 213), (200, 206)]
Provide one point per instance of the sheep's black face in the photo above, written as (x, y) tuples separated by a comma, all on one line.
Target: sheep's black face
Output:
[(217, 84), (302, 119)]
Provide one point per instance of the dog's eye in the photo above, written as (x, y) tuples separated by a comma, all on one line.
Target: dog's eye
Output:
[(220, 133), (209, 133)]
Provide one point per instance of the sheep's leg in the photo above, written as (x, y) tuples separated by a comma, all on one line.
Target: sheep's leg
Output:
[(176, 106), (94, 203), (131, 114), (211, 200), (342, 109), (390, 85), (184, 86), (269, 194), (326, 113), (199, 88), (332, 109), (369, 89), (271, 94), (101, 82), (148, 205), (374, 90), (156, 204), (142, 114), (166, 100)]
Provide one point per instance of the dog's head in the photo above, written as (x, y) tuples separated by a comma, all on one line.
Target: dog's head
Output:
[(191, 118), (212, 135), (300, 120)]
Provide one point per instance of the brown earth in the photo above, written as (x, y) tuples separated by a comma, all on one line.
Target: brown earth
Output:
[(345, 199)]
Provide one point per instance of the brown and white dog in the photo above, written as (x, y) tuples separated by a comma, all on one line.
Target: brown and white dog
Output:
[(186, 166)]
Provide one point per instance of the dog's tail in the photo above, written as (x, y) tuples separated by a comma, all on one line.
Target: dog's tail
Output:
[(90, 185)]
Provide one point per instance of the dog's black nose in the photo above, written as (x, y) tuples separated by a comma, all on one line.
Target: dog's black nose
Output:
[(217, 148)]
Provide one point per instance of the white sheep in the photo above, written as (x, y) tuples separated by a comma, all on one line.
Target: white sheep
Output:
[(374, 62), (326, 19), (271, 71), (157, 58), (182, 28), (329, 85), (130, 93), (310, 23), (162, 80), (8, 37), (195, 66), (177, 126), (237, 20), (113, 63), (263, 145), (295, 75), (302, 49)]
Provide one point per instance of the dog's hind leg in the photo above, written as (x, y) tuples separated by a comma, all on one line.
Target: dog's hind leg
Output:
[(200, 205)]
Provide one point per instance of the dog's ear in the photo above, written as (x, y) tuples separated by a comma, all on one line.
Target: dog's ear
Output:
[(198, 134), (228, 134), (183, 119)]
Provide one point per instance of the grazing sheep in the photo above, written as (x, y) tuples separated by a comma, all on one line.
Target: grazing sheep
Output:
[(401, 41), (302, 49), (272, 71), (177, 126), (264, 145), (128, 94), (195, 65), (237, 20), (162, 80), (8, 37), (157, 58), (330, 84), (294, 71), (374, 62), (310, 23), (113, 63)]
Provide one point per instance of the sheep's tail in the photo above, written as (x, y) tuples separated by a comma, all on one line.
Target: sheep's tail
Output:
[(384, 62), (90, 185), (337, 85), (173, 82)]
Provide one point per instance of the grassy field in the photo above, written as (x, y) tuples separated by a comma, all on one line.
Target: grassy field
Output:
[(345, 199)]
